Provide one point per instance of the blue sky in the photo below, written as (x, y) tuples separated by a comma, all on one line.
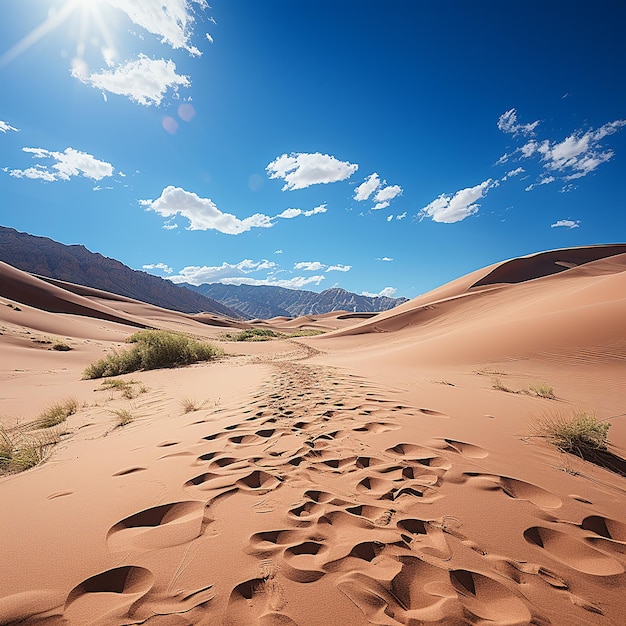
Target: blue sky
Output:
[(385, 148)]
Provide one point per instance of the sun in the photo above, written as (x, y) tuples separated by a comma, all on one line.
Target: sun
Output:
[(89, 17)]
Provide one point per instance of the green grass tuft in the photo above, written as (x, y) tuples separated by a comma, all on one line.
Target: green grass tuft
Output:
[(153, 349), (57, 413), (543, 391), (580, 434)]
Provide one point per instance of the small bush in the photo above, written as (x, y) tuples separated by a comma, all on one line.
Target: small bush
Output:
[(579, 434), (153, 349), (60, 346), (497, 384), (306, 332), (254, 334), (190, 405), (543, 391), (122, 417), (57, 413), (19, 451), (128, 388)]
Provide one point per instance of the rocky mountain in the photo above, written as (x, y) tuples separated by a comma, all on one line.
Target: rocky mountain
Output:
[(75, 264), (264, 302)]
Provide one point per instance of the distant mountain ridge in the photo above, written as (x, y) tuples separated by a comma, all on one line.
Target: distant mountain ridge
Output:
[(266, 301), (75, 264)]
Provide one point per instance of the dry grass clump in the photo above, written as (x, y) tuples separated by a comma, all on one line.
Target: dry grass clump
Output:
[(190, 405), (543, 391), (20, 451), (122, 417), (60, 346), (153, 349), (129, 388), (57, 413), (254, 334), (497, 384), (581, 434)]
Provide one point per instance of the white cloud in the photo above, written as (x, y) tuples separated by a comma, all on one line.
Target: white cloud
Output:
[(381, 193), (291, 213), (566, 224), (309, 266), (158, 266), (300, 170), (288, 214), (144, 81), (4, 127), (202, 213), (317, 210), (401, 216), (384, 258), (200, 274), (209, 38), (278, 251), (339, 268), (449, 209), (387, 292), (367, 188), (296, 282), (385, 195), (65, 164), (389, 218), (516, 172), (507, 123), (579, 154), (171, 20)]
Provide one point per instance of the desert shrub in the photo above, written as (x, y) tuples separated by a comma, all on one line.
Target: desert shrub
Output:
[(580, 434), (129, 388), (306, 332), (255, 334), (153, 349), (20, 451), (61, 346), (543, 391), (57, 413), (190, 405), (122, 417)]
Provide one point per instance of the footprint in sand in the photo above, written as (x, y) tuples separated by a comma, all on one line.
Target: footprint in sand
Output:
[(572, 552), (469, 450), (159, 527), (108, 595), (516, 489), (611, 534), (488, 599)]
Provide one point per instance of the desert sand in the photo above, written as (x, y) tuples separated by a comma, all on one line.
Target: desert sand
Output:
[(386, 472)]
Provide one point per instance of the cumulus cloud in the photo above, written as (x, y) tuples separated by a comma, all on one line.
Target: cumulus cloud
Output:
[(401, 216), (200, 274), (297, 282), (144, 80), (64, 165), (384, 258), (202, 213), (579, 154), (516, 172), (158, 266), (390, 218), (291, 213), (381, 193), (566, 224), (449, 209), (171, 20), (309, 266), (339, 268), (387, 292), (367, 187), (507, 123), (5, 127), (300, 170)]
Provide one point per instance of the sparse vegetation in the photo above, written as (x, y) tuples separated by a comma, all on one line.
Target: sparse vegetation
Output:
[(129, 388), (266, 334), (57, 413), (60, 346), (497, 384), (122, 417), (20, 451), (153, 349), (580, 434), (190, 405), (543, 391)]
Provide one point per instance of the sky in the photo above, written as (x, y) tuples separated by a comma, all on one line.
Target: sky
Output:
[(385, 148)]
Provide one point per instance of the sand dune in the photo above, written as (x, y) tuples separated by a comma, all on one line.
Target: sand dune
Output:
[(383, 473)]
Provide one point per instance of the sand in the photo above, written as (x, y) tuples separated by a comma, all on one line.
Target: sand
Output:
[(385, 472)]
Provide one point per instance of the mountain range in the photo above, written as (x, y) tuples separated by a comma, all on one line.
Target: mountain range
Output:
[(76, 264)]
